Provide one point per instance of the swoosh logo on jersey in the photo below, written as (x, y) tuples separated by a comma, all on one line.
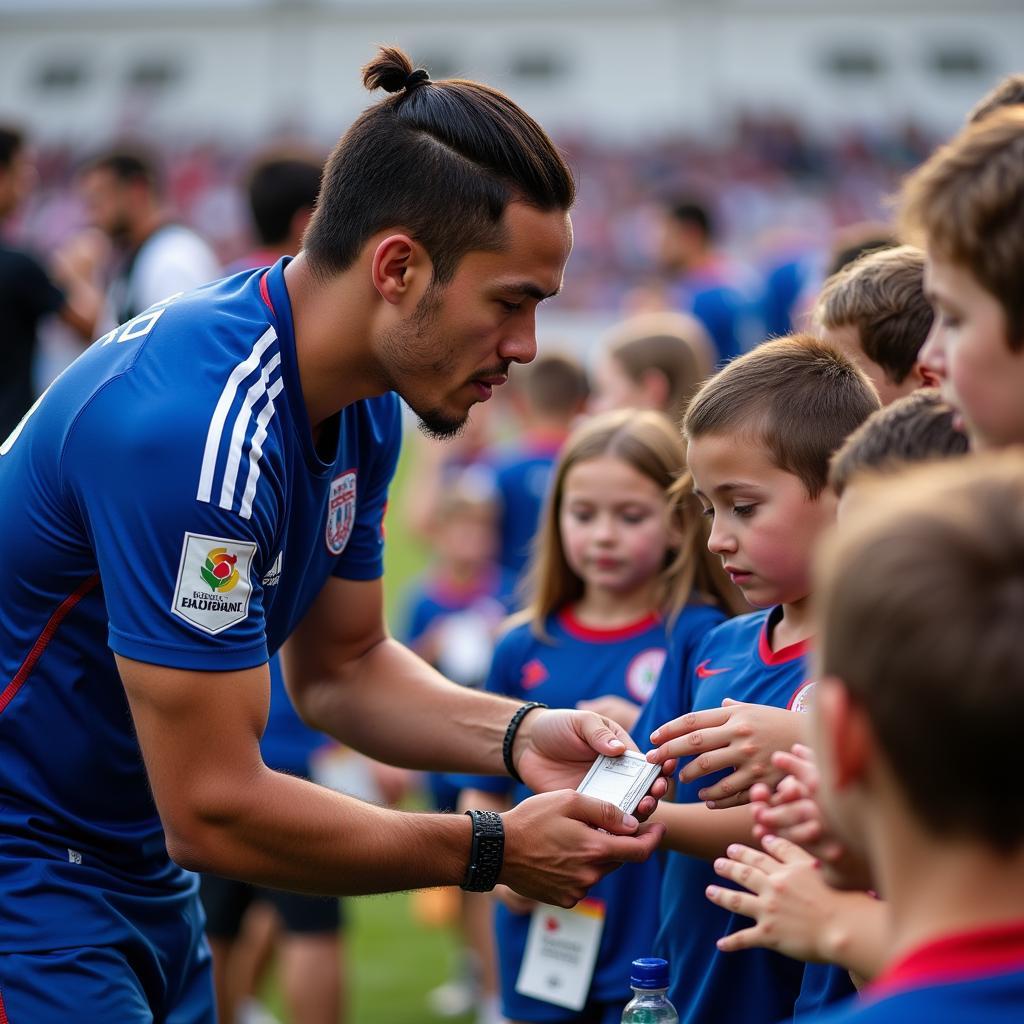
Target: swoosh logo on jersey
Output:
[(703, 672)]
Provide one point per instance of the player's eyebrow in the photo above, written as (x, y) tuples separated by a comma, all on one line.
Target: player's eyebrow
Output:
[(529, 288)]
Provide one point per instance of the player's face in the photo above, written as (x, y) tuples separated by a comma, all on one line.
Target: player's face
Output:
[(615, 526), (967, 350), (764, 523), (105, 200), (459, 343)]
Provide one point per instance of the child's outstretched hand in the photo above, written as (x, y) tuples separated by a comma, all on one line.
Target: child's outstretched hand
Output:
[(795, 911), (793, 813), (736, 735)]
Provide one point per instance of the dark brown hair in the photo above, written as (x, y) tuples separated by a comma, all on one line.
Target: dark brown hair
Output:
[(967, 201), (280, 185), (920, 601), (440, 159), (915, 428), (881, 294), (796, 395), (555, 385), (12, 140)]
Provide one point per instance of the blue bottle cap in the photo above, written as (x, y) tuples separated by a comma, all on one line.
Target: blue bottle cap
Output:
[(649, 972)]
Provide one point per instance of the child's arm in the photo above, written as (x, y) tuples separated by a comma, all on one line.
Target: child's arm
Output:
[(796, 913), (698, 831), (736, 735)]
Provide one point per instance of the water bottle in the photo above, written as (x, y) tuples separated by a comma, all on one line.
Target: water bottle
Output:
[(649, 1004)]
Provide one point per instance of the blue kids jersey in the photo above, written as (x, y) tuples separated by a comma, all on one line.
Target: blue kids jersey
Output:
[(164, 500), (970, 978), (735, 660), (580, 664)]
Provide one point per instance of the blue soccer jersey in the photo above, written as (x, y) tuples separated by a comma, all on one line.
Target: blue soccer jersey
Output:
[(970, 978), (735, 660), (164, 500), (579, 663)]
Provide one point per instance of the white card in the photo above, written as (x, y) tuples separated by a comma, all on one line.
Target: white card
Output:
[(622, 780), (561, 950)]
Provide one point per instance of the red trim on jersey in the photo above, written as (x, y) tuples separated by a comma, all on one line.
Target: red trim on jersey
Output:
[(265, 295), (3, 1011), (39, 646), (998, 949), (574, 627), (784, 654)]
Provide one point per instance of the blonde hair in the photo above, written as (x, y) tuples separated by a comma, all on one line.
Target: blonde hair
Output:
[(648, 442), (967, 201)]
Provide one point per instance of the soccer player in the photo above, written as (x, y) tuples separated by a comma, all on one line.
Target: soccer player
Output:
[(898, 692), (760, 435), (966, 203), (207, 482), (876, 312)]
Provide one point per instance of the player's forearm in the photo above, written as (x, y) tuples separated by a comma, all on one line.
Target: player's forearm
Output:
[(393, 706), (697, 831), (288, 833)]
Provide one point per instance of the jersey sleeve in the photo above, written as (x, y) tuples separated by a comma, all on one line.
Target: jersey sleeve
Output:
[(181, 577), (502, 679), (363, 557)]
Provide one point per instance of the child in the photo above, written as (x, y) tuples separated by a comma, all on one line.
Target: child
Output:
[(967, 205), (760, 435), (876, 312), (617, 560), (916, 729)]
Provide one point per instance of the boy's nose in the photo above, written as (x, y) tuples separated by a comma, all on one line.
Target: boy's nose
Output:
[(932, 356), (720, 540)]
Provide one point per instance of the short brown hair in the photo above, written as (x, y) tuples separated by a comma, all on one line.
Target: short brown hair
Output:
[(676, 345), (442, 159), (1008, 93), (798, 396), (915, 428), (881, 294), (555, 385), (968, 202), (920, 601)]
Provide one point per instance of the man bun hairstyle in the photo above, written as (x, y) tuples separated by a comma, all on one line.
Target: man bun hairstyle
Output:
[(442, 160)]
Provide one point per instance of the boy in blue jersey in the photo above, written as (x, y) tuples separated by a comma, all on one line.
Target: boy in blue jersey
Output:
[(760, 434), (208, 481), (916, 731)]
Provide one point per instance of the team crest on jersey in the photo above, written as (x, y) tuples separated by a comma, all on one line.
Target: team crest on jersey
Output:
[(801, 700), (341, 511), (213, 588), (642, 674)]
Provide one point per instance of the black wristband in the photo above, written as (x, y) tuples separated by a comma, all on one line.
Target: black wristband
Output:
[(510, 736), (487, 853)]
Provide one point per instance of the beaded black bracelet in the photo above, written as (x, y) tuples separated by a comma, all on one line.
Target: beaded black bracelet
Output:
[(510, 735), (487, 853)]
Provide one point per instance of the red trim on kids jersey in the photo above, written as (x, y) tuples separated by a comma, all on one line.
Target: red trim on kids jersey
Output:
[(3, 1011), (784, 654), (265, 295), (976, 954), (40, 645), (575, 628)]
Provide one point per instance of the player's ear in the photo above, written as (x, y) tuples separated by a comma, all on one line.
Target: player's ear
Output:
[(845, 734), (400, 268)]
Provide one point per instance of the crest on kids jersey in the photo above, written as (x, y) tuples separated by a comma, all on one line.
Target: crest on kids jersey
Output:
[(642, 674), (801, 700), (341, 511)]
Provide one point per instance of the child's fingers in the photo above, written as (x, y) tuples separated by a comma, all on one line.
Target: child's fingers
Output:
[(732, 900), (784, 851), (787, 816), (736, 800), (691, 722), (760, 793), (747, 938), (706, 763), (742, 873), (691, 744)]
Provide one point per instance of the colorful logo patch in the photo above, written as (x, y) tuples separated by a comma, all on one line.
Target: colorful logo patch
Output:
[(642, 674), (341, 512), (213, 587), (801, 700)]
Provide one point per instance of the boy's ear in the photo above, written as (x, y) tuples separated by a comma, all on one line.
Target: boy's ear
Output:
[(846, 729), (399, 269)]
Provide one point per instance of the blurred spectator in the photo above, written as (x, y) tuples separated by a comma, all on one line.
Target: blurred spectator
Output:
[(156, 256), (27, 291), (653, 361)]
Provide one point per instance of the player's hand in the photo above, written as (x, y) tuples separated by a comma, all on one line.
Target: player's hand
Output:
[(736, 735), (618, 709), (555, 849), (512, 901), (554, 749), (790, 903)]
